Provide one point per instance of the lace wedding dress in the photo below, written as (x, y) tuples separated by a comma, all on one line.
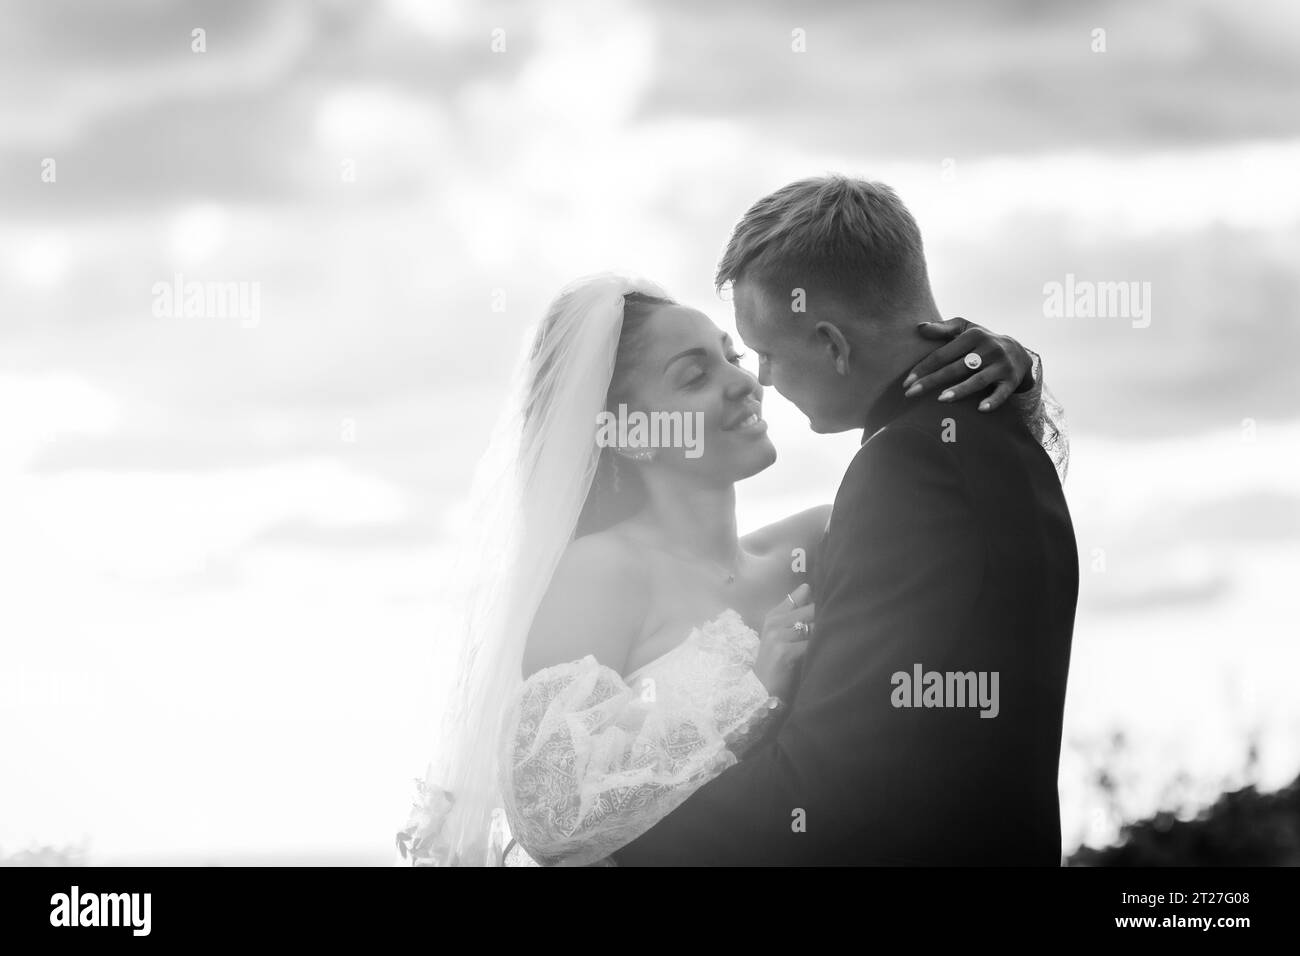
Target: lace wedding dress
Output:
[(591, 759)]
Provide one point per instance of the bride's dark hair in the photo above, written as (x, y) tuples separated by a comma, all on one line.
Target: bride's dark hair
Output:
[(617, 491)]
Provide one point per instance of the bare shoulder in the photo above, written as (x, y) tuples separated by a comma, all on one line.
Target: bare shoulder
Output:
[(800, 530), (595, 604)]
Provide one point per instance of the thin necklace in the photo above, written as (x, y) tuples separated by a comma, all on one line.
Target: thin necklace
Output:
[(728, 576)]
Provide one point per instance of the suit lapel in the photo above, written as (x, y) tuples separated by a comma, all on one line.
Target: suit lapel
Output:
[(821, 550)]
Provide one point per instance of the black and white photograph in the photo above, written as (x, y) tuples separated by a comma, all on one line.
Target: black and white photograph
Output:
[(625, 434)]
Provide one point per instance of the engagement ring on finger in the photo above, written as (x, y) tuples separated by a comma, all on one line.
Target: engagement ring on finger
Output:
[(801, 627), (973, 360)]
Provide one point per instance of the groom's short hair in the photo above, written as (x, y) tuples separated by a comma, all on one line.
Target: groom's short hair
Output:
[(835, 234)]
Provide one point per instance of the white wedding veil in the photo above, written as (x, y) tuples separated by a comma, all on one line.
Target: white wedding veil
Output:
[(529, 492)]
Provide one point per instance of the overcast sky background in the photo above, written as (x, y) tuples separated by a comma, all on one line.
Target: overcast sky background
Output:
[(218, 612)]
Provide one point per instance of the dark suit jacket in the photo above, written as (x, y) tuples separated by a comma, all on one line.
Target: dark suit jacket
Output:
[(950, 547)]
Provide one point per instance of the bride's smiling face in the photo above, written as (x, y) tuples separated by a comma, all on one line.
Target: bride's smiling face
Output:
[(682, 362)]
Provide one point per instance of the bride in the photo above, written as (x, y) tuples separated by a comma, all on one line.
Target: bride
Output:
[(623, 645)]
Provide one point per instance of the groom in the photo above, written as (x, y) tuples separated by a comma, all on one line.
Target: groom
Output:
[(927, 726)]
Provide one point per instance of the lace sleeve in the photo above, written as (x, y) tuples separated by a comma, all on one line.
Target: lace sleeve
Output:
[(1045, 418), (592, 763)]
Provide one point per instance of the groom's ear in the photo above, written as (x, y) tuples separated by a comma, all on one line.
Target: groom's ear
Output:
[(836, 345)]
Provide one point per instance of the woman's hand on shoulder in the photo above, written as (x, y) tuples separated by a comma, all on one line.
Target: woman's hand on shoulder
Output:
[(595, 605), (1005, 366)]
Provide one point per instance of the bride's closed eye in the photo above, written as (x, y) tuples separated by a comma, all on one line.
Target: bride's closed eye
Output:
[(735, 357)]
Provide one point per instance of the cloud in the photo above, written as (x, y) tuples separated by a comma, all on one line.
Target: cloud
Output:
[(895, 79), (133, 117), (1216, 352), (80, 65)]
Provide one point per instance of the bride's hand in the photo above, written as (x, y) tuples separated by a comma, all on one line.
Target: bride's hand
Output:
[(782, 644), (1004, 364)]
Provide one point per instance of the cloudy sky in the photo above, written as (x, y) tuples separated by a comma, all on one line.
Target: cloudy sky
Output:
[(221, 538)]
